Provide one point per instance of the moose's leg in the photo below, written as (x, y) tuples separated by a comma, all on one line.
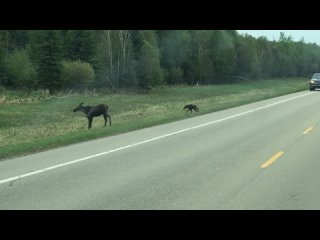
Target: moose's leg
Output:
[(105, 119), (89, 122), (109, 118)]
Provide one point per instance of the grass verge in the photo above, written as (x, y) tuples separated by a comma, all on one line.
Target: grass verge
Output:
[(27, 127)]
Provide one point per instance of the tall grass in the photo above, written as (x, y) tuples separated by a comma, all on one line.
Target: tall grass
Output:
[(31, 126)]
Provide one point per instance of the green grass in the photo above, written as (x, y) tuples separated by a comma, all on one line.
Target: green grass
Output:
[(47, 123)]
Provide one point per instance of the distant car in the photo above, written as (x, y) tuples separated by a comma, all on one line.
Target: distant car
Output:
[(315, 81)]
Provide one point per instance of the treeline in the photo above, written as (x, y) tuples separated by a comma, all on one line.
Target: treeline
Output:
[(80, 59)]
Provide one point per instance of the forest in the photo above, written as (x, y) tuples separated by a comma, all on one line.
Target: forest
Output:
[(66, 60)]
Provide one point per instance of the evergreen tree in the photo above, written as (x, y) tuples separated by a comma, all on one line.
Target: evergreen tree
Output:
[(223, 55), (18, 39), (3, 44), (175, 51), (247, 58), (149, 72), (264, 54), (80, 45), (201, 62), (46, 53)]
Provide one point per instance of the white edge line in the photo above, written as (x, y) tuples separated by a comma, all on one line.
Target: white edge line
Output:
[(145, 141)]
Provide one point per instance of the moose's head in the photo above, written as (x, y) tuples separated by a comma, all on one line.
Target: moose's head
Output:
[(79, 108)]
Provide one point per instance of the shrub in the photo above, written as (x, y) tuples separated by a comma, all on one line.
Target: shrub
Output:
[(21, 72), (77, 74)]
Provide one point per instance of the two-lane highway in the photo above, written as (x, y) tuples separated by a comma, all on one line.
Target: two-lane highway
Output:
[(258, 156)]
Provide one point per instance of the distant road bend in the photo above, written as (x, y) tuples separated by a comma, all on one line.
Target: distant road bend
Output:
[(262, 155)]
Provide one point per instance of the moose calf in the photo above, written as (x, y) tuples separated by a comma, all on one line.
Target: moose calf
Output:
[(191, 107), (94, 111)]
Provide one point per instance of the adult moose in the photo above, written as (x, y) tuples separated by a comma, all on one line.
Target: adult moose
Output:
[(94, 111)]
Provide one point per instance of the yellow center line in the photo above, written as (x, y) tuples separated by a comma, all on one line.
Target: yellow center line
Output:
[(307, 130), (271, 160)]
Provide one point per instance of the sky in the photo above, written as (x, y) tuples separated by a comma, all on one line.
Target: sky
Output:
[(310, 36)]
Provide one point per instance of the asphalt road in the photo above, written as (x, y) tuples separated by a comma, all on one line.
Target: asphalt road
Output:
[(258, 156)]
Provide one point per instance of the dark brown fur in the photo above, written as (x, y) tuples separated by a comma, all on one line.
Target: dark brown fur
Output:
[(94, 111), (191, 107)]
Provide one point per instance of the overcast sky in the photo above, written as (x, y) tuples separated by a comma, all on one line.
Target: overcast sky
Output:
[(310, 36)]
